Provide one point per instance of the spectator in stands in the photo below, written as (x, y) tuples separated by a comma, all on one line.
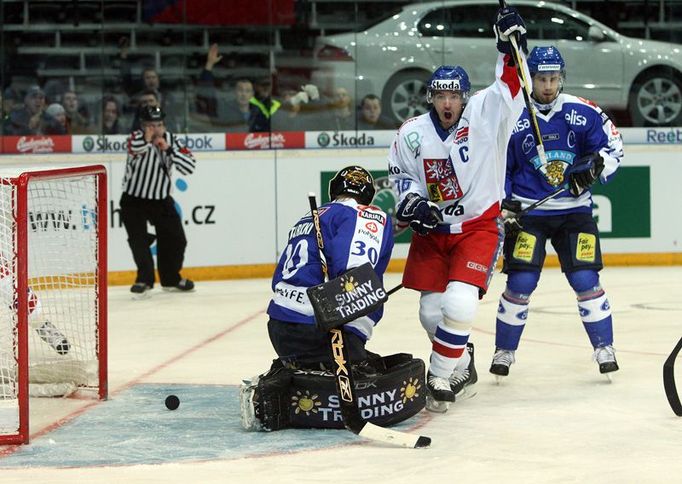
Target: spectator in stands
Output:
[(369, 116), (9, 99), (57, 111), (110, 122), (77, 121), (230, 115), (341, 116), (300, 109), (31, 119), (262, 105)]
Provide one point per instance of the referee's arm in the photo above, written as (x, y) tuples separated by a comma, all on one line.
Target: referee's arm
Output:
[(181, 156)]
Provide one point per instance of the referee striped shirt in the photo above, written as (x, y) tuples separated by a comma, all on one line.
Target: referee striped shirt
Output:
[(149, 170)]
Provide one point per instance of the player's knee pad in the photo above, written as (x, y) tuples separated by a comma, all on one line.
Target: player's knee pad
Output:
[(584, 282), (430, 311), (393, 391), (460, 302), (522, 283)]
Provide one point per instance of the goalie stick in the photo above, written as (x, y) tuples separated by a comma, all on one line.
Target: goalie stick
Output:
[(343, 374), (669, 380)]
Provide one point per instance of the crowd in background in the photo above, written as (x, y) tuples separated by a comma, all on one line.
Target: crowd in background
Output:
[(244, 104)]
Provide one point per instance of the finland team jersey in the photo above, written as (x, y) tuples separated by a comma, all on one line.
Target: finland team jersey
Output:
[(571, 129), (461, 170), (353, 234)]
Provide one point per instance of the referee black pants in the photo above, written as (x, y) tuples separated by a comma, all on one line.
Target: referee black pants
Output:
[(170, 238)]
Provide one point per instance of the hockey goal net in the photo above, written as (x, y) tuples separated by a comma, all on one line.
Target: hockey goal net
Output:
[(53, 301)]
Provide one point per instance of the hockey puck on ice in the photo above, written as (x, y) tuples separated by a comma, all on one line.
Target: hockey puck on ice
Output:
[(172, 402)]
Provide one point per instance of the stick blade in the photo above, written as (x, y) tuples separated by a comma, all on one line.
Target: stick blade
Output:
[(393, 437)]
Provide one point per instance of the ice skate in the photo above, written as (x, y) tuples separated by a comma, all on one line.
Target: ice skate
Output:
[(461, 380), (52, 336), (140, 290), (502, 360), (248, 417), (605, 356), (440, 395)]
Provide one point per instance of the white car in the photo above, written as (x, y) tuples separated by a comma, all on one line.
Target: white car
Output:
[(394, 58)]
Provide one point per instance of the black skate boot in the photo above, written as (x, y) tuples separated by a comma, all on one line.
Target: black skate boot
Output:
[(605, 356), (440, 395), (459, 380), (502, 360)]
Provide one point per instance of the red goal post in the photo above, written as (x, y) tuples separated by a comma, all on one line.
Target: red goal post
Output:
[(53, 289)]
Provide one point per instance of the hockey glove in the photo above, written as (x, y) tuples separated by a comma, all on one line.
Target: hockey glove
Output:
[(510, 217), (584, 172), (509, 22), (422, 215)]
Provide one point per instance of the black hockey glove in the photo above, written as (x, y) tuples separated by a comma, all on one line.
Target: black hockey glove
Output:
[(584, 172), (422, 215), (509, 22), (510, 217)]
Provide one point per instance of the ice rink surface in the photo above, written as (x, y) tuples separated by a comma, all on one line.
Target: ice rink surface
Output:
[(554, 419)]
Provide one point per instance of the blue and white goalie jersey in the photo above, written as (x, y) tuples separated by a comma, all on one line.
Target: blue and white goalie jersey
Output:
[(573, 128), (353, 234)]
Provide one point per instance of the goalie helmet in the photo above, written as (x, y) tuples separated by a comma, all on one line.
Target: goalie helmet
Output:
[(449, 78), (354, 181), (151, 114)]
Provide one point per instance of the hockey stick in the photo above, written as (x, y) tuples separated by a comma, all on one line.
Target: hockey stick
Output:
[(669, 380), (520, 61), (343, 374), (535, 205)]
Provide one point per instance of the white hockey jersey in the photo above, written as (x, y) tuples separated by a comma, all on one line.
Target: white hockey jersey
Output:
[(461, 170)]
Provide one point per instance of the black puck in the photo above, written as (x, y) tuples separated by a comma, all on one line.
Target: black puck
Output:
[(172, 402)]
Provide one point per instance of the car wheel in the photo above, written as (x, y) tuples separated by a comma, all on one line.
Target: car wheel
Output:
[(656, 100), (405, 95)]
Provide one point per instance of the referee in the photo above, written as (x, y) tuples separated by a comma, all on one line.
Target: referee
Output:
[(153, 152)]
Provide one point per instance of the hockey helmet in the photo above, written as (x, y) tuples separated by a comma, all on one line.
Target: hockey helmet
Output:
[(449, 78), (354, 181), (546, 59), (151, 113)]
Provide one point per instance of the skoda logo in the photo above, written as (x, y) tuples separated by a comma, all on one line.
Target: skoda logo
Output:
[(88, 143), (323, 140)]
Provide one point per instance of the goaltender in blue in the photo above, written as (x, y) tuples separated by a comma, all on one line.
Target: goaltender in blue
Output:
[(299, 389)]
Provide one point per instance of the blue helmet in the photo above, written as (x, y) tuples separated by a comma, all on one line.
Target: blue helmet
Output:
[(546, 59), (448, 78)]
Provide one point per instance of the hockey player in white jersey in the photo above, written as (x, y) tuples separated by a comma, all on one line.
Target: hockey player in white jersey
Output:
[(447, 167), (582, 146)]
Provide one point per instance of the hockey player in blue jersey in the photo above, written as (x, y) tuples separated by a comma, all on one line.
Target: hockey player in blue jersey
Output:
[(582, 146), (354, 232), (299, 389)]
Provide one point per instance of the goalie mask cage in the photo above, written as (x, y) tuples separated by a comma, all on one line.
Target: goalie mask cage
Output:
[(53, 299)]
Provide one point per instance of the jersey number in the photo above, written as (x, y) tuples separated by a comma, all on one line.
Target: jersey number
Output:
[(296, 257), (360, 250)]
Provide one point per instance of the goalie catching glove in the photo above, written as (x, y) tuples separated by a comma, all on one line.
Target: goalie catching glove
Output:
[(422, 215), (510, 217), (584, 172)]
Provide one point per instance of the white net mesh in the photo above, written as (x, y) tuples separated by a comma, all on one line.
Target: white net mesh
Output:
[(63, 324)]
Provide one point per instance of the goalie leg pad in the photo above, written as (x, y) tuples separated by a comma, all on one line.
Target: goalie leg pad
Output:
[(389, 390)]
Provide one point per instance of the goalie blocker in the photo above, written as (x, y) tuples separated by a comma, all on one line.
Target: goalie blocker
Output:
[(393, 391), (354, 294)]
